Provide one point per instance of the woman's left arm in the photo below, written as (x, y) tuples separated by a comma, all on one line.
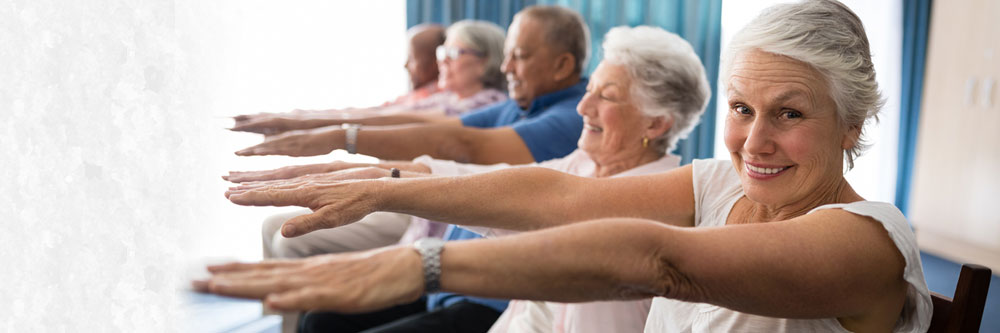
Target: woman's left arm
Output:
[(826, 264)]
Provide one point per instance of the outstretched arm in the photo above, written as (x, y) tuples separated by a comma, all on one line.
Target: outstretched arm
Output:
[(278, 123), (829, 264), (514, 199), (442, 141), (293, 171)]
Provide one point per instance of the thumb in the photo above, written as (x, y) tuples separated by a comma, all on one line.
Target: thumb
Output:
[(323, 218)]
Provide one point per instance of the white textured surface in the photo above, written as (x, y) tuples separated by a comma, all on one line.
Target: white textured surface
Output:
[(111, 142)]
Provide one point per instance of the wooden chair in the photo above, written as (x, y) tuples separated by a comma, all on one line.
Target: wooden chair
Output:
[(965, 312)]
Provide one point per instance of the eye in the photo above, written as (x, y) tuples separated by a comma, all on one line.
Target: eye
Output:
[(791, 114), (742, 109)]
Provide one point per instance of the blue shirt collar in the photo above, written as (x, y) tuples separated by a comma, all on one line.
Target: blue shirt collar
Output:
[(545, 101)]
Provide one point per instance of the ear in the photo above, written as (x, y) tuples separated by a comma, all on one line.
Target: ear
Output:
[(851, 137), (565, 64), (658, 126)]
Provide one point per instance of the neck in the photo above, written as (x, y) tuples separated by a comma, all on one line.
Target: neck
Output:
[(556, 86), (840, 192), (614, 165), (468, 90)]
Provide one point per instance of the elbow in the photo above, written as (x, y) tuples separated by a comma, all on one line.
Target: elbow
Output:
[(459, 147), (670, 274)]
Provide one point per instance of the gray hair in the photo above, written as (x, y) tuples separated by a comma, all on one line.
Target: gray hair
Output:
[(828, 36), (565, 29), (668, 79), (488, 38)]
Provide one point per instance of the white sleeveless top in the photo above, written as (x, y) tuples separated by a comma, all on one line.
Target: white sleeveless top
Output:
[(716, 189)]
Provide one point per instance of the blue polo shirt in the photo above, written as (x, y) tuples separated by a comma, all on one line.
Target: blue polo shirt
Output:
[(550, 127), (440, 300)]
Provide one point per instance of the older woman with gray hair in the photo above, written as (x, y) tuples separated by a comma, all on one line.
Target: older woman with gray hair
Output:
[(775, 240), (469, 78)]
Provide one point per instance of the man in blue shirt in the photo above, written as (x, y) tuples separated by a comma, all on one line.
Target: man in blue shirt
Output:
[(546, 51)]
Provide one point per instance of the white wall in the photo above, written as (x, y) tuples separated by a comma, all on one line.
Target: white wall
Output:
[(874, 173), (112, 117)]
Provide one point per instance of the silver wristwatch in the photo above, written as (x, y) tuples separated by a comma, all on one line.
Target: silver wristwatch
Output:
[(430, 254), (351, 137)]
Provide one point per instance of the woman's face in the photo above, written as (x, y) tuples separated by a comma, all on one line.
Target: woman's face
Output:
[(612, 123), (782, 129), (463, 71)]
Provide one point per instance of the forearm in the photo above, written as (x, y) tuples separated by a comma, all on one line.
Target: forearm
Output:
[(595, 260), (406, 142), (522, 199)]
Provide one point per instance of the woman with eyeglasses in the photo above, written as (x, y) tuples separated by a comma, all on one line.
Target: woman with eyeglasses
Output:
[(470, 78)]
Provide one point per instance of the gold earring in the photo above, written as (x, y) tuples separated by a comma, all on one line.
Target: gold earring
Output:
[(645, 142)]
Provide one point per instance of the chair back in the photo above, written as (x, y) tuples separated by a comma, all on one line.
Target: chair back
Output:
[(964, 312)]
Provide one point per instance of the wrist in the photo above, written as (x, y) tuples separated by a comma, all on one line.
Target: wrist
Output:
[(351, 137)]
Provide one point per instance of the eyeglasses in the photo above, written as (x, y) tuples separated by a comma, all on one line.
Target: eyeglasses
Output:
[(453, 52)]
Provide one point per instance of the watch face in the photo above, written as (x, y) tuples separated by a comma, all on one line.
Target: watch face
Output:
[(430, 242)]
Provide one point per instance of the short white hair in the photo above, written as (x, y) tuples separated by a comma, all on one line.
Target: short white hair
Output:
[(668, 79), (485, 37), (830, 38)]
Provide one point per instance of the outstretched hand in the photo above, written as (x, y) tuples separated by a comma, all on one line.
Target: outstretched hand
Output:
[(348, 283), (294, 143), (334, 202), (286, 172)]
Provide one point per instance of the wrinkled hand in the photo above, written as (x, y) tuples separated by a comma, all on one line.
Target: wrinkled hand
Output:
[(311, 179), (334, 203), (348, 283), (269, 124), (294, 143), (286, 172)]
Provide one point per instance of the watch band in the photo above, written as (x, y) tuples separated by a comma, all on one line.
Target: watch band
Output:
[(351, 137), (430, 254)]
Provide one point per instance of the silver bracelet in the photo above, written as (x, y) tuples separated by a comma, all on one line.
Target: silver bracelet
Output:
[(351, 137), (430, 255)]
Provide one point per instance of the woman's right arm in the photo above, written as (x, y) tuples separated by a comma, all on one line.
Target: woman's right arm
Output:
[(515, 199)]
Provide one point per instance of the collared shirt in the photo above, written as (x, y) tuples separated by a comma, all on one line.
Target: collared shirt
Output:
[(550, 127)]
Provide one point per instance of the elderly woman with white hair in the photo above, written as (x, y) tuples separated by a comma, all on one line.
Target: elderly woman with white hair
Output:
[(775, 240), (469, 78), (646, 95)]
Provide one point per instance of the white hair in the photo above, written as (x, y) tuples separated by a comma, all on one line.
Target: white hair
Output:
[(668, 79), (830, 38), (485, 37)]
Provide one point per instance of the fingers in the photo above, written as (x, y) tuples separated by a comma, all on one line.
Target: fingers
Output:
[(261, 149), (239, 266), (249, 176), (323, 218), (271, 196), (249, 287)]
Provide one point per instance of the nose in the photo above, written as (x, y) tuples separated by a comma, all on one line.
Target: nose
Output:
[(760, 138), (586, 107), (505, 66)]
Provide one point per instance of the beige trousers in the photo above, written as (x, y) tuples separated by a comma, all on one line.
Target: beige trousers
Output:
[(375, 230)]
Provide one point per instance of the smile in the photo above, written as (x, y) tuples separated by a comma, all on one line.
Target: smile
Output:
[(593, 128), (761, 172)]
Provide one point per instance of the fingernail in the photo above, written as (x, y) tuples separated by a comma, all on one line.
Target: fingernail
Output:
[(224, 177), (288, 230)]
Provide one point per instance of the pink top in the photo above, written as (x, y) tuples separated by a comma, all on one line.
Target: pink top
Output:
[(415, 95), (534, 316)]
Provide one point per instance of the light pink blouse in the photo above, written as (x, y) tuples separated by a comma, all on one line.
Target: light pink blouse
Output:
[(534, 316)]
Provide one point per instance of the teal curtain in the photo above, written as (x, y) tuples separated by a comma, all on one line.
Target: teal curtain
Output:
[(916, 21), (697, 21)]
